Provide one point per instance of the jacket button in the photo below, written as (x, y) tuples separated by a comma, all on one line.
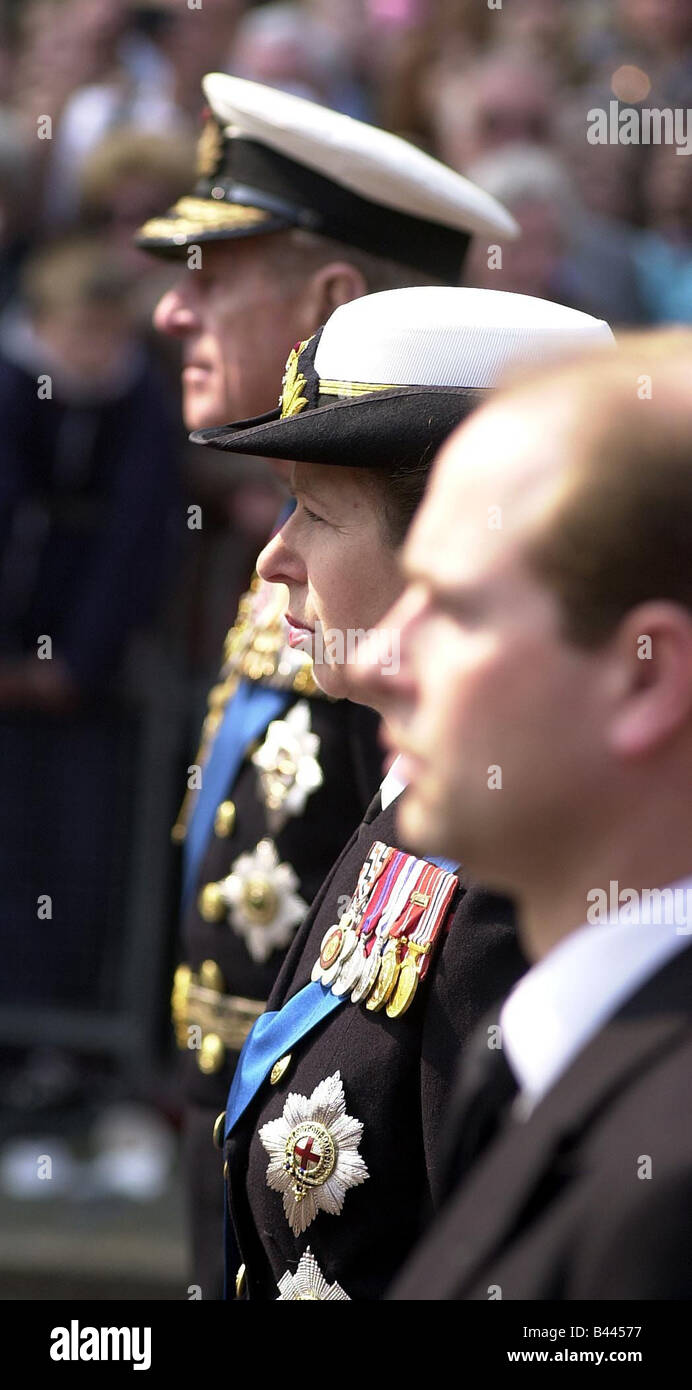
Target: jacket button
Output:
[(279, 1068), (240, 1282), (210, 976), (211, 1055), (217, 1132), (224, 820), (211, 903)]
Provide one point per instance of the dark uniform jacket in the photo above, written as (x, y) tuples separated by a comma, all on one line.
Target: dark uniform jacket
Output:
[(218, 956), (396, 1075), (560, 1206)]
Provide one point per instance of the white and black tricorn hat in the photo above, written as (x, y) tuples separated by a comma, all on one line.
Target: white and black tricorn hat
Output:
[(268, 160), (389, 376)]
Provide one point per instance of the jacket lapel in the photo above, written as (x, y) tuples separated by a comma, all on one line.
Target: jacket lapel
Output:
[(491, 1201)]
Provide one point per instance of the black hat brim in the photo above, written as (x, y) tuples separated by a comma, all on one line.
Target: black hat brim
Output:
[(384, 429)]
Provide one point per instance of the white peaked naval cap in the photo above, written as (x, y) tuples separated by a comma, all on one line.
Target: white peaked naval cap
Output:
[(390, 375), (371, 162)]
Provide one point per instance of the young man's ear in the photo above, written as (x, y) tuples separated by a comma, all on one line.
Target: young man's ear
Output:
[(656, 646), (333, 284)]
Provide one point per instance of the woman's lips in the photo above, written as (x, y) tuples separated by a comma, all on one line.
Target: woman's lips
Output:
[(299, 634), (195, 371)]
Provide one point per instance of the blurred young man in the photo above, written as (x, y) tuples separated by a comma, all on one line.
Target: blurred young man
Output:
[(547, 640), (296, 211)]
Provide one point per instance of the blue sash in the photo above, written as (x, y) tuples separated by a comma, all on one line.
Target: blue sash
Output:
[(247, 715), (275, 1033)]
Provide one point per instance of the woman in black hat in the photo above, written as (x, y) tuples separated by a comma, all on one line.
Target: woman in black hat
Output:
[(333, 1134)]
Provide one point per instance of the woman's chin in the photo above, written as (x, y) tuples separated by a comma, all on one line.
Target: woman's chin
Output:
[(330, 679), (339, 683)]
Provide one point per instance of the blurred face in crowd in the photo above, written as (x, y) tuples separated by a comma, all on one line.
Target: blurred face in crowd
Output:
[(504, 102), (502, 723), (90, 341), (236, 325), (656, 23), (529, 264), (340, 568)]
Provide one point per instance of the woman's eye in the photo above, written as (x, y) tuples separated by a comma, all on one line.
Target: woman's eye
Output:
[(312, 515)]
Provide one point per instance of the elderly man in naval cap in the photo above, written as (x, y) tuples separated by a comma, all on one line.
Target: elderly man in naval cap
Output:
[(296, 210)]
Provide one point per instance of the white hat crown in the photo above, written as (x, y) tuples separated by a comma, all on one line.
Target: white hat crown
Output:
[(369, 161), (446, 336)]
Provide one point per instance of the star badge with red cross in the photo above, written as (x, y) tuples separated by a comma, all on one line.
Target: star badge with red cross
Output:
[(313, 1153)]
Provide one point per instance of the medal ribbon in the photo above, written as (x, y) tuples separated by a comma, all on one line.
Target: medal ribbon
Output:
[(370, 874), (442, 886), (406, 922), (410, 870), (380, 897)]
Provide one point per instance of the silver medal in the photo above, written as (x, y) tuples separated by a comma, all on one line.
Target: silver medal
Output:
[(349, 976), (367, 976)]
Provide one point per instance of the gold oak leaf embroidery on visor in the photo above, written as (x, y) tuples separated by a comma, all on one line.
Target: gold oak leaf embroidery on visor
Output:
[(293, 382)]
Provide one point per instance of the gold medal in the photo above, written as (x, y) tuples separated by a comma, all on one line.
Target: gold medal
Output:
[(349, 941), (405, 989), (386, 979), (408, 980), (331, 947)]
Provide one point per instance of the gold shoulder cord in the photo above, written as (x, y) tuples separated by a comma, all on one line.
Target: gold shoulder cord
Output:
[(252, 651)]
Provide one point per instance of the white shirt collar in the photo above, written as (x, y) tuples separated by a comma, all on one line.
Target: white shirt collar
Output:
[(392, 786), (563, 1001)]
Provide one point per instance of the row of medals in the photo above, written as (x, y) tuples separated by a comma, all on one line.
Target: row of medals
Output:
[(386, 979)]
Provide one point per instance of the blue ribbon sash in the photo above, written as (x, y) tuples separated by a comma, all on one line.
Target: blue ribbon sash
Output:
[(247, 715)]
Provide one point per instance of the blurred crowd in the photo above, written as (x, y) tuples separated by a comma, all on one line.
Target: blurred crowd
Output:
[(99, 112), (500, 92)]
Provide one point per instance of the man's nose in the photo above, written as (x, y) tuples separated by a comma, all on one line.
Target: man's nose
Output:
[(174, 314)]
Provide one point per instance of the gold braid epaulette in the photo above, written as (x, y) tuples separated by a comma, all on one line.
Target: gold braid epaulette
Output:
[(255, 649)]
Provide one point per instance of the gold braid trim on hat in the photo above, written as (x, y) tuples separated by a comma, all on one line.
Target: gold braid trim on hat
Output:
[(190, 216), (355, 388)]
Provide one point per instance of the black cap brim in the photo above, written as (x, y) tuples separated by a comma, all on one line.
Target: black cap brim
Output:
[(384, 429), (193, 220)]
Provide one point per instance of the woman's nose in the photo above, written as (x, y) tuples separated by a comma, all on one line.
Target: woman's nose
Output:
[(279, 563)]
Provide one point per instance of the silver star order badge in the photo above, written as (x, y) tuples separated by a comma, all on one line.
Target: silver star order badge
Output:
[(263, 905), (309, 1284), (313, 1153), (288, 766)]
